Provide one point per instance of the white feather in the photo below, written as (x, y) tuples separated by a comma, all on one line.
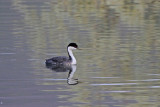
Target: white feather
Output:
[(71, 54)]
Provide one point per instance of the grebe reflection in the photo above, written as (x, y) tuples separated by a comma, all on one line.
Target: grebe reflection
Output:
[(59, 68), (70, 79), (68, 68)]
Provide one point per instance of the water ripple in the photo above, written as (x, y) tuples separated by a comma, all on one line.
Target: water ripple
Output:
[(118, 91), (7, 53), (154, 87), (149, 80), (111, 84), (105, 77), (154, 74)]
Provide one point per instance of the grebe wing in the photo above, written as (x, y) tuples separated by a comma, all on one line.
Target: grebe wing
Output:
[(56, 60), (60, 59)]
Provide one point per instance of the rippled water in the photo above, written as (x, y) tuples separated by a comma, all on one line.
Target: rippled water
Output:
[(118, 66)]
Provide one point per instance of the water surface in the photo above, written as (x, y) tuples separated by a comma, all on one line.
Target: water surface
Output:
[(119, 65)]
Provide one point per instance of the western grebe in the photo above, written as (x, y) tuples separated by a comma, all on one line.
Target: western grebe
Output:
[(64, 60)]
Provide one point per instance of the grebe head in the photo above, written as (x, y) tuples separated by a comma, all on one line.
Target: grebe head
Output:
[(72, 46)]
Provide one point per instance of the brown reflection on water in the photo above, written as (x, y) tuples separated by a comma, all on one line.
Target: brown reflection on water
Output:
[(120, 41)]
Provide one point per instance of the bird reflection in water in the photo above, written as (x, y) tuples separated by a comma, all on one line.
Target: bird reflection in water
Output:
[(70, 79), (67, 68)]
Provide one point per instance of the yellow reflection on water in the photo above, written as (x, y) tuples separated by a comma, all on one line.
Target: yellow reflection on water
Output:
[(121, 40)]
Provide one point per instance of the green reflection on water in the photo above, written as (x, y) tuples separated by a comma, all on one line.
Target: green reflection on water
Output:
[(120, 39)]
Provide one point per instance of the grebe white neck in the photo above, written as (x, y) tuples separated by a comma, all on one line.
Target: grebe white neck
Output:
[(73, 59)]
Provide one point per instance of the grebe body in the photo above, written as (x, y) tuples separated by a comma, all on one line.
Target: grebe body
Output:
[(64, 60)]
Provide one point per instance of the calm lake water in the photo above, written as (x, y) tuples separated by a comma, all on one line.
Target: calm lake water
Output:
[(118, 66)]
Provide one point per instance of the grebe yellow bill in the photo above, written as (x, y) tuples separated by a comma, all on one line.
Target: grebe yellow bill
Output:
[(64, 60)]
